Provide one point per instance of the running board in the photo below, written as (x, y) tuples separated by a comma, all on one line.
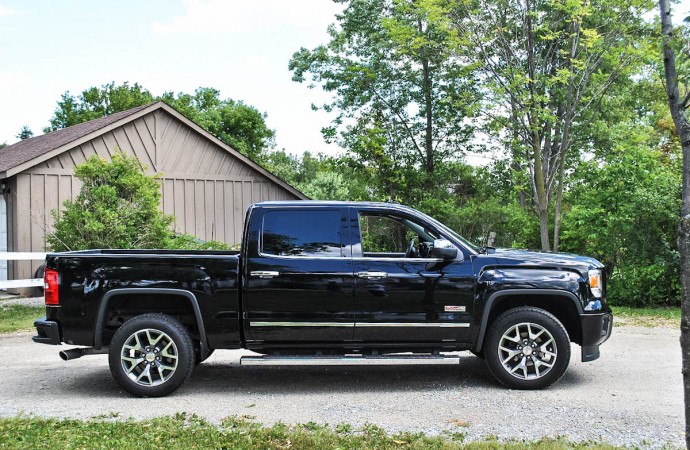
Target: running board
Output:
[(353, 360)]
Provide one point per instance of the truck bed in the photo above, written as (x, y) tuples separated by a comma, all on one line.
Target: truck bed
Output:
[(107, 287)]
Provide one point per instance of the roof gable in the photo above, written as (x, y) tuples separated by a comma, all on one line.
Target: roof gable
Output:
[(31, 152), (25, 151)]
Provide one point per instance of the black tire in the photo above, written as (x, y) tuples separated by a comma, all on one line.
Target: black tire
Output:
[(537, 365), (151, 355)]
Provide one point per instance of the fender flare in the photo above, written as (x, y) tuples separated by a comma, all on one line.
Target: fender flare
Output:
[(105, 301), (509, 292)]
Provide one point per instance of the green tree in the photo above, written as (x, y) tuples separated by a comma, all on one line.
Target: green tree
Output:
[(117, 207), (3, 145), (545, 63), (96, 102), (402, 98), (320, 176), (327, 186), (25, 133), (240, 126), (624, 211)]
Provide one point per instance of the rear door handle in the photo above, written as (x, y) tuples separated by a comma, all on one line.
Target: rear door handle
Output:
[(372, 275), (264, 274)]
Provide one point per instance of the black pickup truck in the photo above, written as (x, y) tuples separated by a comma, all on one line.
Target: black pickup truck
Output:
[(327, 283)]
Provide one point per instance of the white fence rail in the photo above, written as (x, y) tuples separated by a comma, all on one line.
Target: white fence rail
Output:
[(21, 256)]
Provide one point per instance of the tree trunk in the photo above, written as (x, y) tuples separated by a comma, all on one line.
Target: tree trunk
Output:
[(557, 211), (677, 107), (541, 193), (428, 111)]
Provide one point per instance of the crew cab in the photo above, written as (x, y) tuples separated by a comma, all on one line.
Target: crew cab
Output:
[(327, 283)]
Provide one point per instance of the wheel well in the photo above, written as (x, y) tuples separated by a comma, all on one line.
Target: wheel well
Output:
[(123, 307), (561, 307)]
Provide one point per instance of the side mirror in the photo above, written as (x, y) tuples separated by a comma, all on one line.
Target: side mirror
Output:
[(444, 249)]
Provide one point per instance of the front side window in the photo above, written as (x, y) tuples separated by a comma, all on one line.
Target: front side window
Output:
[(302, 233), (392, 236)]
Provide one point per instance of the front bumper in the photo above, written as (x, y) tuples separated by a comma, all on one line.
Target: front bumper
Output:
[(596, 329), (48, 332)]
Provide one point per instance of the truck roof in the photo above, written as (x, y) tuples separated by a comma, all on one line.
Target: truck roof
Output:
[(331, 203)]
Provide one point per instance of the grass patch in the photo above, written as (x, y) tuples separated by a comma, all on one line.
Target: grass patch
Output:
[(646, 317), (189, 431), (19, 317)]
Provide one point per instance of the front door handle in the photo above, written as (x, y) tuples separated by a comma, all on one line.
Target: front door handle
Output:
[(372, 275), (264, 274)]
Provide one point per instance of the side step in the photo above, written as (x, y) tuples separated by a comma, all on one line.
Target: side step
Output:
[(347, 360)]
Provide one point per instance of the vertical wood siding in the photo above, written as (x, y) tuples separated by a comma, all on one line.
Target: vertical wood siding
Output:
[(204, 187)]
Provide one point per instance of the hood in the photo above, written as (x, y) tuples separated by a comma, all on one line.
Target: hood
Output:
[(510, 257)]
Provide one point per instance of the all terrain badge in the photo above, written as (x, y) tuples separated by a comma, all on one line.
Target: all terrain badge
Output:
[(453, 308)]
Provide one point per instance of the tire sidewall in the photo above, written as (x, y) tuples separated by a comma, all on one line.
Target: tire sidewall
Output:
[(179, 335), (527, 315)]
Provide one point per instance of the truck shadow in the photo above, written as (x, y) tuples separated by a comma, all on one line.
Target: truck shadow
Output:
[(223, 376), (471, 372)]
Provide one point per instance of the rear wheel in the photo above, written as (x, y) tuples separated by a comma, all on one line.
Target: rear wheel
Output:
[(527, 348), (151, 355)]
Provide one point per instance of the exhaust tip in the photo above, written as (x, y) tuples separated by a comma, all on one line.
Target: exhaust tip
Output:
[(72, 353)]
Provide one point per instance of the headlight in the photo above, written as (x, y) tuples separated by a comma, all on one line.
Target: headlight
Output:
[(595, 283)]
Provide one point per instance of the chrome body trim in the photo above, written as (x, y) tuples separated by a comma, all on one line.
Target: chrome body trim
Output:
[(362, 324)]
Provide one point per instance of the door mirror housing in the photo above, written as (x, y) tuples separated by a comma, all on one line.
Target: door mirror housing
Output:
[(444, 249)]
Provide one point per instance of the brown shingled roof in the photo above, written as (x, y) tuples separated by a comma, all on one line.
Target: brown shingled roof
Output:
[(28, 149)]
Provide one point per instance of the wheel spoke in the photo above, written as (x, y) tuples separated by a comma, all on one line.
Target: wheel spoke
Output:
[(145, 372), (535, 336), (511, 353), (153, 342), (517, 335), (138, 346), (133, 361), (167, 354), (539, 362), (519, 366)]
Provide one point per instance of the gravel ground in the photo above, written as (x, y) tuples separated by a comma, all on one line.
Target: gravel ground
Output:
[(29, 301), (631, 396)]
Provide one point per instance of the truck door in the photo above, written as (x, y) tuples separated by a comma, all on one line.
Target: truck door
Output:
[(298, 279), (403, 294)]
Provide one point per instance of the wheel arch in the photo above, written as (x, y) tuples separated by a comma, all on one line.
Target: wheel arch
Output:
[(186, 297), (564, 305)]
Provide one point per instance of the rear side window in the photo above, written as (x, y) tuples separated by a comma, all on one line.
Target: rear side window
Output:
[(302, 233)]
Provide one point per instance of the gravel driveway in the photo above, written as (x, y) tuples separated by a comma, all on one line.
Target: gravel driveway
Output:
[(633, 395)]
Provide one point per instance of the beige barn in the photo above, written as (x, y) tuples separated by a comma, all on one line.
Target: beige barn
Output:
[(206, 185)]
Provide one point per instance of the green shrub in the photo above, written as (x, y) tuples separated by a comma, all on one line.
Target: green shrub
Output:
[(118, 207)]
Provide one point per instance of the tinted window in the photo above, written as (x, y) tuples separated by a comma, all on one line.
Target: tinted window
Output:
[(302, 233)]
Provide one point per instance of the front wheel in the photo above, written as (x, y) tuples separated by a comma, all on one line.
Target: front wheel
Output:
[(527, 348), (151, 355)]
